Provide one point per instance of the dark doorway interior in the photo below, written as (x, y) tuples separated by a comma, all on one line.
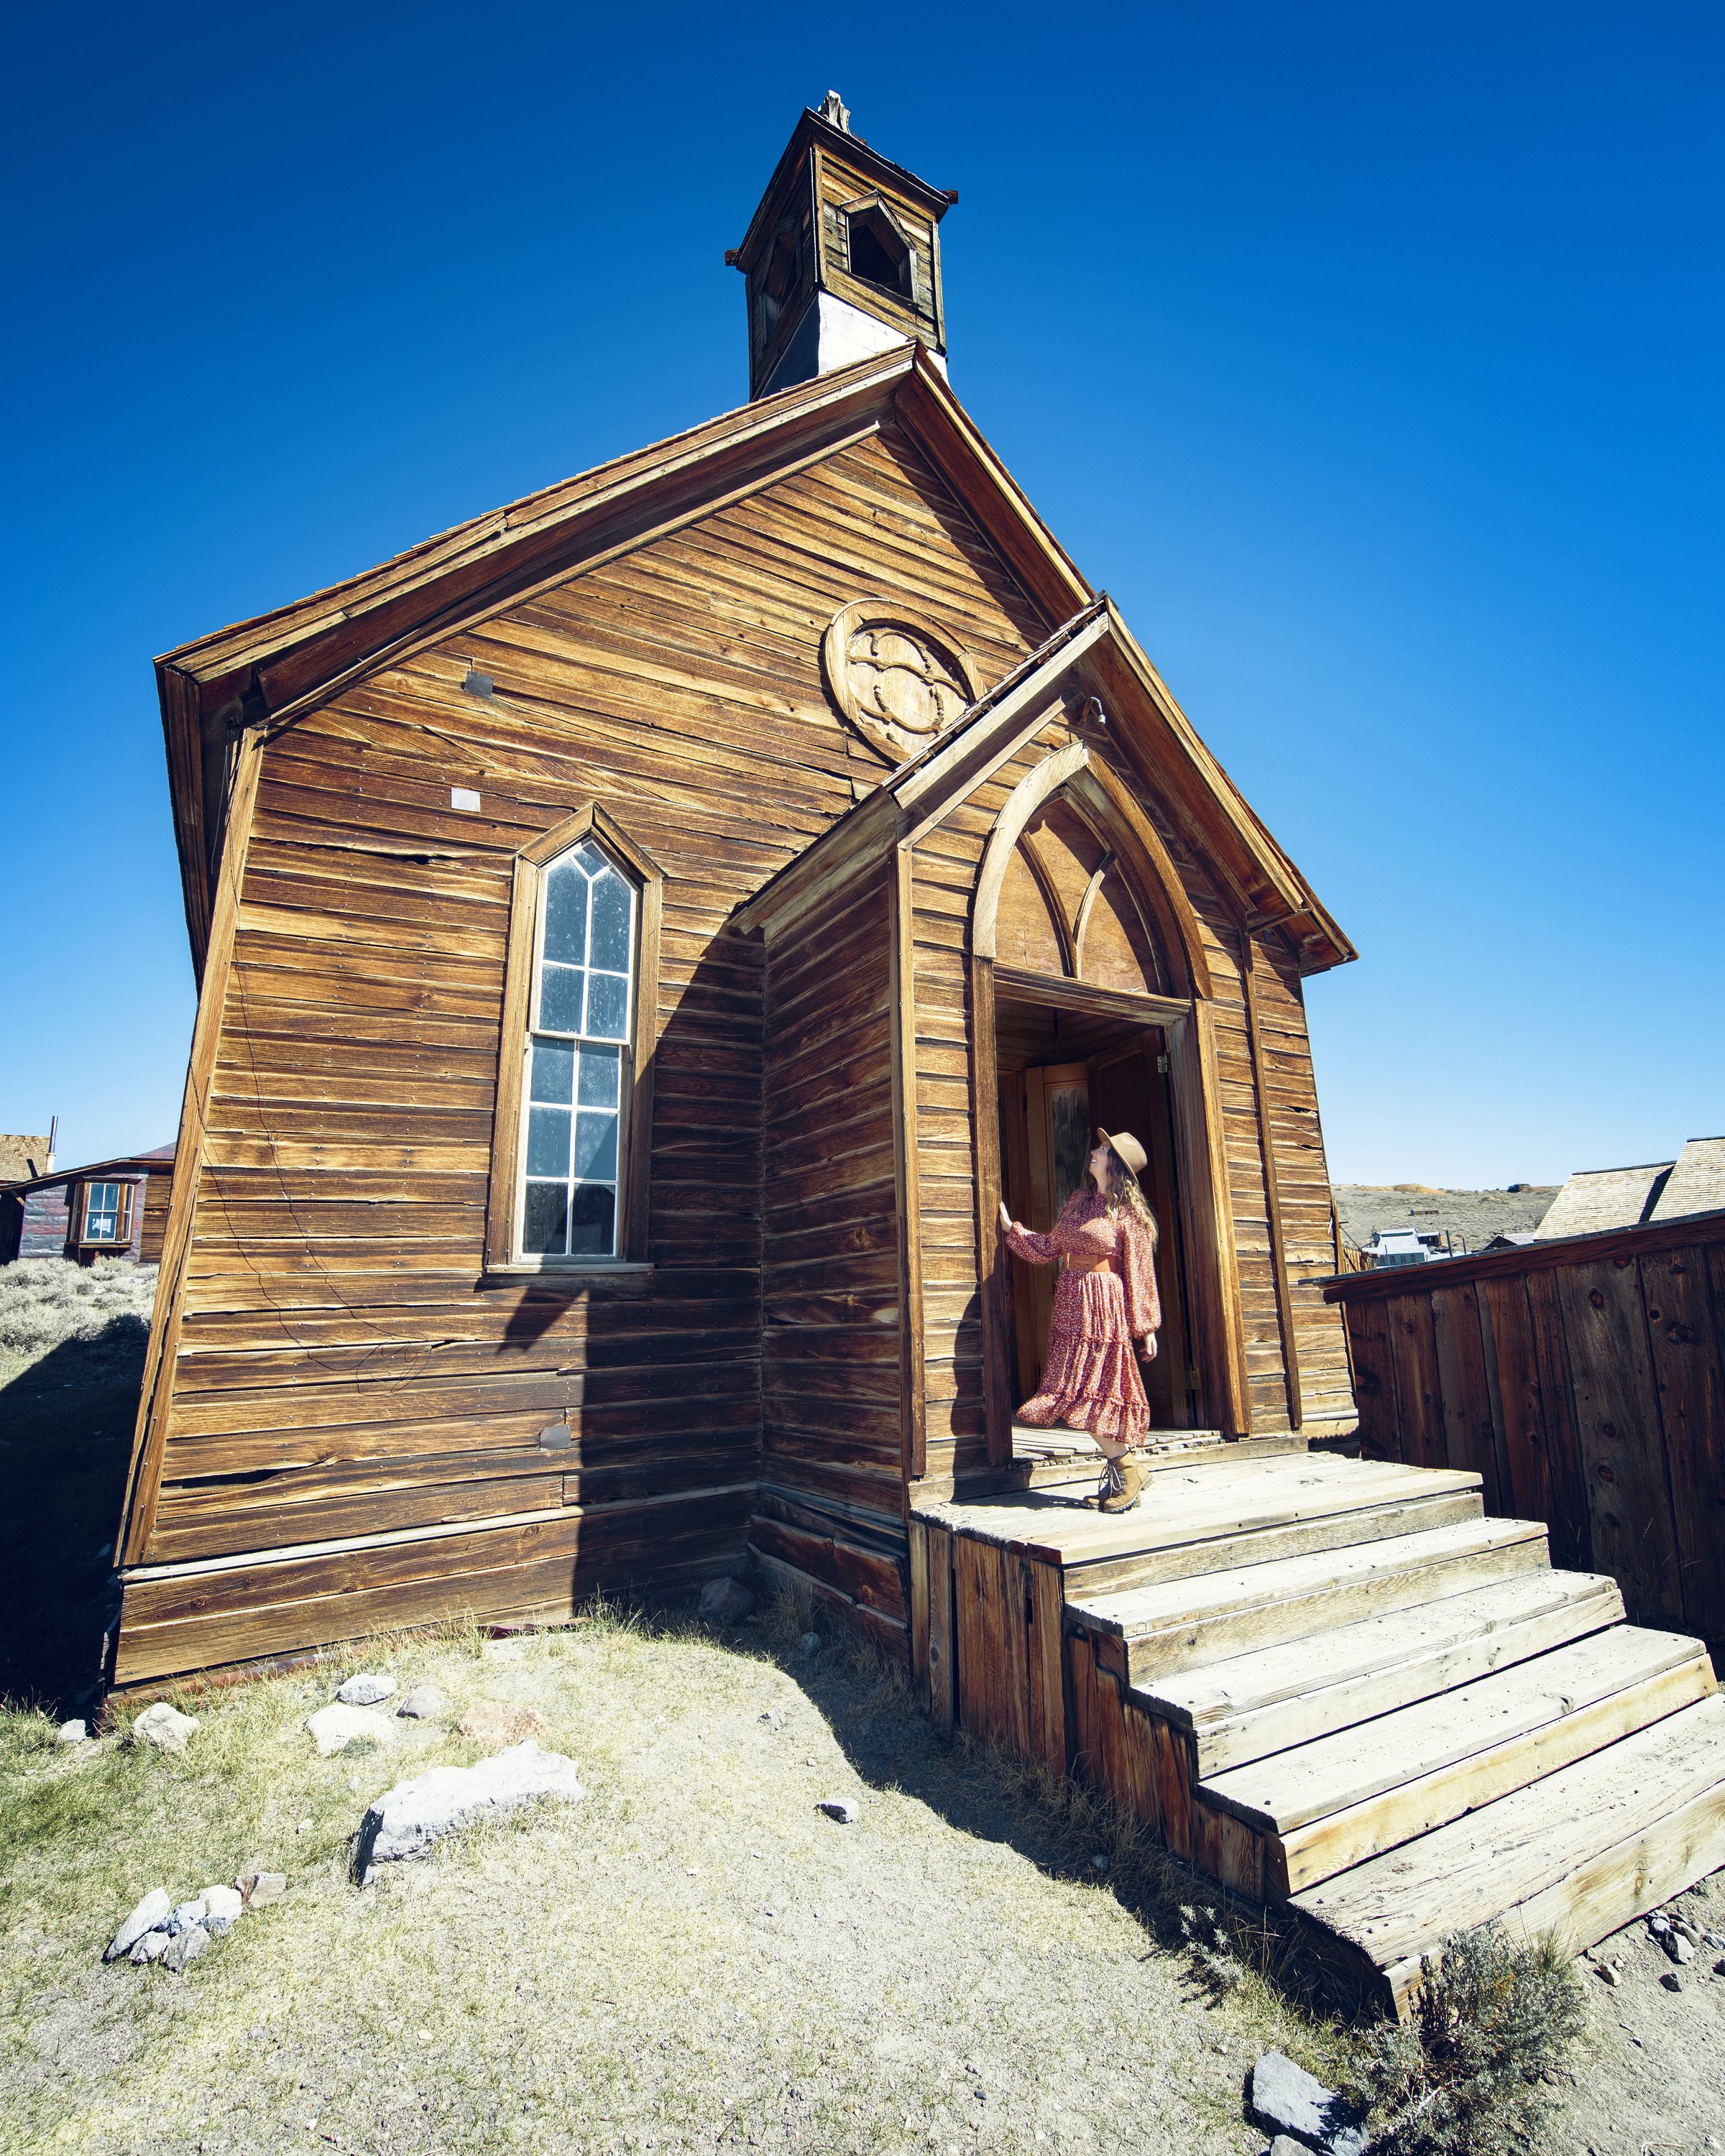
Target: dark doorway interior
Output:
[(1063, 1075)]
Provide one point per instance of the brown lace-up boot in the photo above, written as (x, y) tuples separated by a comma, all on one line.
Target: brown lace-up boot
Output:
[(1126, 1478)]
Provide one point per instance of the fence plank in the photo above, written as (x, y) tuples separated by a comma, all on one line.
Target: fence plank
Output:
[(1683, 1334), (1468, 1436), (1418, 1397), (1621, 1445)]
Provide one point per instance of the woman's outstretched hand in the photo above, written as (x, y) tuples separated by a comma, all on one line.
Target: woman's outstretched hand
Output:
[(1147, 1347), (1005, 1219)]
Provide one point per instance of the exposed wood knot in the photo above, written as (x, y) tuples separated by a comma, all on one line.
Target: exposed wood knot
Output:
[(1596, 1299)]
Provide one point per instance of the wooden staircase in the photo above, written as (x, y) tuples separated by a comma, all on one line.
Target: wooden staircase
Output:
[(1337, 1686)]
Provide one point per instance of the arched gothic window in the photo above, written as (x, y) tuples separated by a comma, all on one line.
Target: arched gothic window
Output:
[(573, 1129), (578, 1051)]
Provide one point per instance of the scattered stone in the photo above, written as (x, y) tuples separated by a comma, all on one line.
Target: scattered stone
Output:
[(1671, 1980), (502, 1722), (147, 1915), (151, 1948), (1608, 1972), (1286, 2101), (304, 1826), (365, 1689), (1099, 1863), (223, 1903), (773, 1718), (164, 1726), (188, 1917), (408, 1819), (1713, 1938), (725, 1601), (1719, 1966), (258, 1889), (72, 1733), (423, 1703), (1285, 2145), (184, 1948), (1678, 1947), (810, 1644), (845, 1810), (336, 1727), (1659, 1924)]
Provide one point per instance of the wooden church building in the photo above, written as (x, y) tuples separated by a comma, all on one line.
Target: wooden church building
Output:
[(642, 935)]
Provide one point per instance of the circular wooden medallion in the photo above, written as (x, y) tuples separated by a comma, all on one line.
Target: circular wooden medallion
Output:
[(895, 676)]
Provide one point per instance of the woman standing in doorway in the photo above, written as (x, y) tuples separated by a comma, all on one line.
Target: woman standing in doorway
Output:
[(1105, 1300)]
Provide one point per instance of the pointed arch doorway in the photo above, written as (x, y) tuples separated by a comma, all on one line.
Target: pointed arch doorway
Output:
[(1091, 989)]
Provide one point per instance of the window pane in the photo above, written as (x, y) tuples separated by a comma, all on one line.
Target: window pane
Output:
[(606, 1006), (592, 1231), (548, 1141), (553, 1071), (612, 913), (596, 1145), (565, 915), (589, 856), (545, 1218), (560, 998), (101, 1212), (601, 1077)]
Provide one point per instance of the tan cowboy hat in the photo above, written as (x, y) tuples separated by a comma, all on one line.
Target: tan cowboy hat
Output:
[(1127, 1147)]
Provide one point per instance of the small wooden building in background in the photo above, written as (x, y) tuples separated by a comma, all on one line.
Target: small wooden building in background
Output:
[(107, 1210), (642, 934)]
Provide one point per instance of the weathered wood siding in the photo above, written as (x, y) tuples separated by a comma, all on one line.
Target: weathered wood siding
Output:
[(341, 1369), (832, 1492), (1584, 1380)]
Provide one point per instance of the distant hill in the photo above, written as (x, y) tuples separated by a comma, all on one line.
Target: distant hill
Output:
[(1471, 1216)]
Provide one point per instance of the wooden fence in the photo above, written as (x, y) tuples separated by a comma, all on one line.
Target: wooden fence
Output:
[(1584, 1380)]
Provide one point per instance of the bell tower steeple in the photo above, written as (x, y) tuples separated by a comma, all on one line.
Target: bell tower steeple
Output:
[(842, 259)]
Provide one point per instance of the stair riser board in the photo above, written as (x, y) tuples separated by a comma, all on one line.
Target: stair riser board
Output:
[(1641, 1873), (1233, 1632), (1264, 1545), (1319, 1851), (1296, 1720), (1343, 1767), (1396, 1906)]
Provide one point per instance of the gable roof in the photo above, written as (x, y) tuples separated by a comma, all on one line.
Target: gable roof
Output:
[(1151, 731), (158, 1161), (268, 671)]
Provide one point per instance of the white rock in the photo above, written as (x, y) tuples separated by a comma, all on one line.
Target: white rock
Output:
[(810, 1644), (725, 1601), (150, 1912), (151, 1948), (185, 1946), (336, 1727), (423, 1703), (222, 1902), (409, 1819), (188, 1917), (72, 1733), (1284, 2098), (365, 1689), (845, 1810), (1679, 1948), (164, 1726), (258, 1889)]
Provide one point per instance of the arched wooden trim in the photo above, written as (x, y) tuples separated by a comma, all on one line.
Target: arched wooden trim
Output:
[(1065, 935), (1150, 874), (590, 820), (1086, 906), (1026, 798)]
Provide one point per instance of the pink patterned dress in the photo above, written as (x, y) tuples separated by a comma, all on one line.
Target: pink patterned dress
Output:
[(1105, 1299)]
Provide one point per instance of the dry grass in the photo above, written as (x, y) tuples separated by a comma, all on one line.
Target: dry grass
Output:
[(45, 1301), (693, 1957)]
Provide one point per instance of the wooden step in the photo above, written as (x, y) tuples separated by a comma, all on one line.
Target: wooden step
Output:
[(1265, 1700), (1181, 1624), (1330, 1803), (1575, 1854)]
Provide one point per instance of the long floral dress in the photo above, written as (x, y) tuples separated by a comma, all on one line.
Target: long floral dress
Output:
[(1089, 1376)]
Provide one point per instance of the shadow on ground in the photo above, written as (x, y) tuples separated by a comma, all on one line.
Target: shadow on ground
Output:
[(65, 1436)]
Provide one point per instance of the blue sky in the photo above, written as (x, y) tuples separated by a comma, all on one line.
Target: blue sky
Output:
[(1370, 357)]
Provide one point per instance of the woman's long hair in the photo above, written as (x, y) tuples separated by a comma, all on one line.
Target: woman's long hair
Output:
[(1123, 1193)]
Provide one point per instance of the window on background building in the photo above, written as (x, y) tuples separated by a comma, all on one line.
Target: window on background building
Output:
[(107, 1213), (578, 1057)]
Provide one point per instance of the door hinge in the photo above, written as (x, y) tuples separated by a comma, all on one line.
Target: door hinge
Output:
[(1162, 1066)]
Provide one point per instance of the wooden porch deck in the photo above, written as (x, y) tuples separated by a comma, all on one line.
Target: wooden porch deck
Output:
[(1335, 1685)]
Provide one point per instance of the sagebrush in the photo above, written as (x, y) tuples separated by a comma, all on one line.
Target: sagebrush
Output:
[(1465, 2077), (45, 1301)]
